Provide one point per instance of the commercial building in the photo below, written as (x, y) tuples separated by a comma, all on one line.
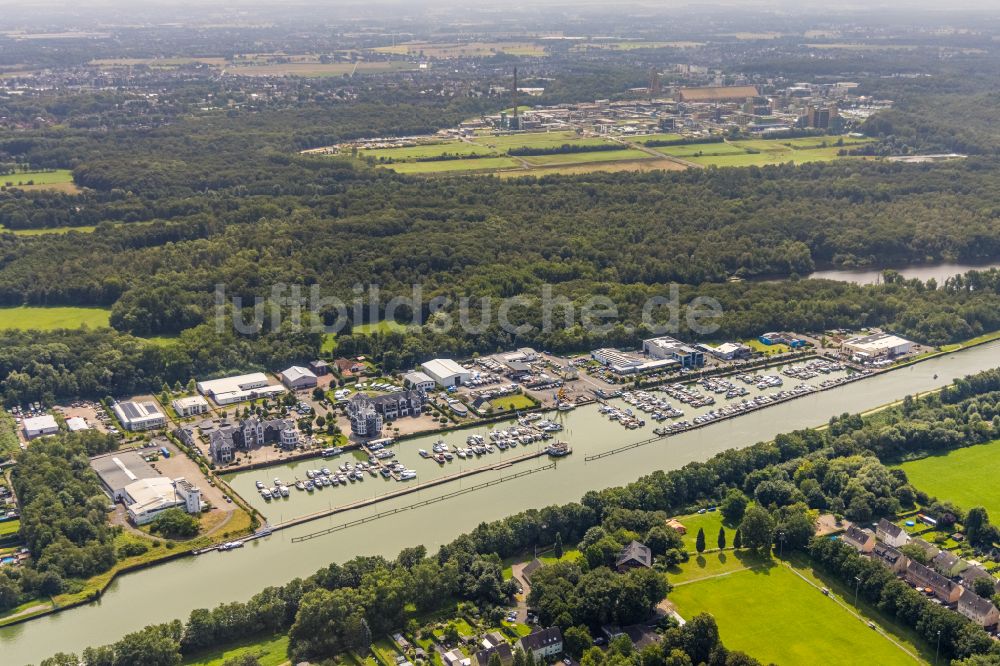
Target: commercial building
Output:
[(670, 348), (145, 499), (446, 372), (190, 406), (297, 378), (715, 94), (624, 363), (139, 416), (418, 380), (731, 351), (782, 339), (229, 390), (77, 424), (119, 469), (878, 345), (36, 426)]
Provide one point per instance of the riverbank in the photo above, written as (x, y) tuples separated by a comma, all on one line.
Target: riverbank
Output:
[(206, 581)]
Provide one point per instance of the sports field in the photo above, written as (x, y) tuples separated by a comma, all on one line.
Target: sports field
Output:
[(505, 142), (47, 319), (425, 150), (947, 476), (776, 616)]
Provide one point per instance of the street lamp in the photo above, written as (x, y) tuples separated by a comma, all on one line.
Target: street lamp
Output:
[(937, 650), (857, 585), (781, 543)]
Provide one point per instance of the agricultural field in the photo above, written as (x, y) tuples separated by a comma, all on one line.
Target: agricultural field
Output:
[(947, 476), (503, 143), (686, 150), (157, 62), (771, 612), (58, 179), (633, 44), (47, 319), (466, 50)]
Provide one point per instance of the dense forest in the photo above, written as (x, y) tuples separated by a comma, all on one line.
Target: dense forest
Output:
[(63, 518)]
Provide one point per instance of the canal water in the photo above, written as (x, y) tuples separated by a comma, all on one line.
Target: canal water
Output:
[(174, 589), (940, 272)]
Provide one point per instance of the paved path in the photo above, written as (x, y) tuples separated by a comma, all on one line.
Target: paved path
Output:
[(522, 599)]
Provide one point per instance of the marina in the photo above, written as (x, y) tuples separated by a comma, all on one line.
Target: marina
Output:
[(202, 582)]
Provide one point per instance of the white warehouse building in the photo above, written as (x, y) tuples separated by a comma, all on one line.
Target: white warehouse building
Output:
[(446, 372), (228, 390)]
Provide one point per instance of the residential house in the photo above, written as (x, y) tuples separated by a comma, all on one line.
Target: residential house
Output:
[(890, 557), (365, 419), (943, 588), (319, 367), (503, 650), (930, 550), (225, 440), (455, 658), (974, 573), (979, 610), (543, 645), (634, 556), (862, 540), (948, 564), (892, 534)]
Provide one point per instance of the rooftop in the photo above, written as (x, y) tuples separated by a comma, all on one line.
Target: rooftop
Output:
[(121, 468), (443, 367), (43, 422)]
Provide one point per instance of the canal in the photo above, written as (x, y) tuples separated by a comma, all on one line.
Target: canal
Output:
[(172, 590), (939, 272)]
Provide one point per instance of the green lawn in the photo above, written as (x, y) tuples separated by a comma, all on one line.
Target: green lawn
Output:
[(690, 149), (454, 166), (759, 346), (774, 615), (38, 177), (47, 319), (510, 402), (710, 521), (588, 158), (269, 652), (714, 564), (947, 476), (9, 527), (383, 326), (8, 435)]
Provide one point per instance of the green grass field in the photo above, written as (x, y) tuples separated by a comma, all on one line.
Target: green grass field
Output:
[(9, 527), (759, 346), (947, 476), (8, 435), (510, 402), (38, 177), (502, 144), (427, 150), (690, 149), (383, 326), (710, 521), (52, 230), (455, 166), (269, 652), (47, 319), (772, 614), (658, 137), (588, 158)]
